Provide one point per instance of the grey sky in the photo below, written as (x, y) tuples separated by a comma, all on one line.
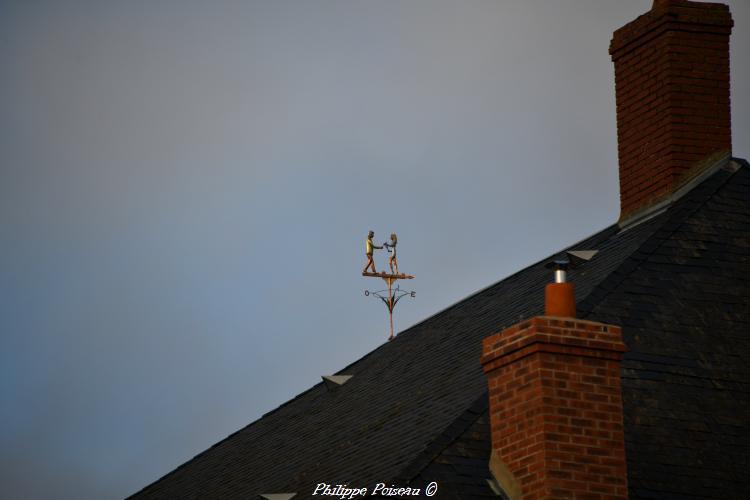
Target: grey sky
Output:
[(185, 188)]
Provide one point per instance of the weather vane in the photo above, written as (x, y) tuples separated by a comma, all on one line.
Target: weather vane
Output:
[(391, 296)]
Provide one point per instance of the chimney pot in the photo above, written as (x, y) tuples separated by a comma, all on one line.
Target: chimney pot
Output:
[(560, 300)]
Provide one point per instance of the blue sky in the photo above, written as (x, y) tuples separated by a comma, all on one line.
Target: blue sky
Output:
[(185, 189)]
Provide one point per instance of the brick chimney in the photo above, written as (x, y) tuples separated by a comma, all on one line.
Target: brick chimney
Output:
[(555, 405), (672, 91)]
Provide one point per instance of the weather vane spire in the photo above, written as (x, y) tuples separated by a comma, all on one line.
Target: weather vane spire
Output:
[(390, 296)]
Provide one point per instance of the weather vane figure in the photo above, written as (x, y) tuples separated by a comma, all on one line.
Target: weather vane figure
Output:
[(369, 247), (390, 296), (391, 247)]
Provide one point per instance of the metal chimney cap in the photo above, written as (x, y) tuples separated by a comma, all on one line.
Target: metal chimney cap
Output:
[(558, 263), (571, 259)]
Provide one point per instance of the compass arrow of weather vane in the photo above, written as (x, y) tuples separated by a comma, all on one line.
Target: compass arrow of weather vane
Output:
[(390, 296)]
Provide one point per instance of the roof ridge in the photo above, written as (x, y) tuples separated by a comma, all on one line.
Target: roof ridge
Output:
[(688, 204), (442, 436)]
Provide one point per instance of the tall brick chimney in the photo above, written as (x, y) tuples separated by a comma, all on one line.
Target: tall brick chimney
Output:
[(672, 91), (555, 406)]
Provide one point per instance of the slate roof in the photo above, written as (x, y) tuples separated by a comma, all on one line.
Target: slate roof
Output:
[(415, 410)]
